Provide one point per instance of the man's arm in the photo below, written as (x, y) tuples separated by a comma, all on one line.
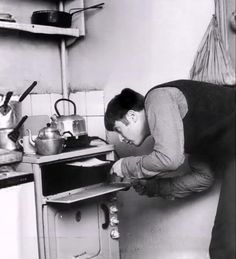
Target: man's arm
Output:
[(197, 178), (166, 128)]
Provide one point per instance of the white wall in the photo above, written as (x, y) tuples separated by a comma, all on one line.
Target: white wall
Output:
[(138, 44), (26, 57), (153, 228)]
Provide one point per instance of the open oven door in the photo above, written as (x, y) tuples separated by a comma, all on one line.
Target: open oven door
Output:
[(79, 224), (86, 193)]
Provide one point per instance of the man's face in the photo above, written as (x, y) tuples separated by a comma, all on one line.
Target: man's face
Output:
[(131, 129)]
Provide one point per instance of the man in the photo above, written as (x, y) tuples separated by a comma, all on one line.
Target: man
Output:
[(193, 126)]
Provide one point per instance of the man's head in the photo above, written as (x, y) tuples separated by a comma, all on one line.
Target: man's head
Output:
[(125, 115)]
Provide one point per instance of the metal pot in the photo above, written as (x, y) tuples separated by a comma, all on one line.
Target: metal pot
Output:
[(17, 104), (7, 114), (48, 142), (72, 123), (5, 142), (58, 18), (47, 147)]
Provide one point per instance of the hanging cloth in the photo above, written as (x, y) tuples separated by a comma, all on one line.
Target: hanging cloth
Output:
[(212, 62)]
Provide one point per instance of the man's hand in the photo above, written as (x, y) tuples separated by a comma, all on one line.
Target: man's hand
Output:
[(116, 169), (152, 188), (140, 187), (147, 187)]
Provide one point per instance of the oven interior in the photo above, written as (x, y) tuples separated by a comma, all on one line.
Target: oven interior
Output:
[(61, 177)]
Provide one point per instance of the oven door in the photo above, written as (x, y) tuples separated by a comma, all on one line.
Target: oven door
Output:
[(73, 231), (81, 229), (85, 193)]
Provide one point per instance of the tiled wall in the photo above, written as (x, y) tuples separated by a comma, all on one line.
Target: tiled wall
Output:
[(89, 104)]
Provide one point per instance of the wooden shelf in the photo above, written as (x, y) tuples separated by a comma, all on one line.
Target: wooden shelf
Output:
[(40, 29)]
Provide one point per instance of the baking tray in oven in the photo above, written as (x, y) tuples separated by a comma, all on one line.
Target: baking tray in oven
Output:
[(88, 193)]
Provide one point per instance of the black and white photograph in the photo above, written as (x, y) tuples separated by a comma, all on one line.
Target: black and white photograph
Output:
[(117, 129)]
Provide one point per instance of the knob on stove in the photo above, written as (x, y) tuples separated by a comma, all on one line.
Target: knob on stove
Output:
[(115, 234), (114, 221), (113, 209)]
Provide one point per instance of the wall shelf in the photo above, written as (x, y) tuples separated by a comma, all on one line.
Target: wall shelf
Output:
[(40, 29)]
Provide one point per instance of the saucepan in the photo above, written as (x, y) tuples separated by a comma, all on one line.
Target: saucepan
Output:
[(7, 115), (58, 18), (7, 142)]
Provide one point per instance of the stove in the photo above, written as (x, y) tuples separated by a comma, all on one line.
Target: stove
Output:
[(76, 204)]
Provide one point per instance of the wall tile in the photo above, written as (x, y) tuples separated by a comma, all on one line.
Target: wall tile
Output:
[(26, 106), (79, 98), (21, 108), (53, 99), (41, 104), (95, 103), (96, 127)]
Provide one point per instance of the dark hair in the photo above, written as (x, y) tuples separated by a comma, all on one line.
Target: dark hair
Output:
[(127, 100)]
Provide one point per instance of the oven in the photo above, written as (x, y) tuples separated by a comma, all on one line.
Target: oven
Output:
[(76, 204)]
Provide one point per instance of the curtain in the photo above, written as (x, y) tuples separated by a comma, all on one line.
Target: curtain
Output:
[(212, 62)]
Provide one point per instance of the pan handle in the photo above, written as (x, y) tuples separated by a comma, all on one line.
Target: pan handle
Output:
[(97, 6), (27, 91), (20, 123), (7, 99), (64, 99)]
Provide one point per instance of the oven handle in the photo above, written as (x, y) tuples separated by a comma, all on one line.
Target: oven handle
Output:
[(106, 214)]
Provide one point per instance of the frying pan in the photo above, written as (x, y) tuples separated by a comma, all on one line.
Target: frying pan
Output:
[(58, 18)]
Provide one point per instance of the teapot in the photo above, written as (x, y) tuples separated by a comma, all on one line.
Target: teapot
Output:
[(48, 142)]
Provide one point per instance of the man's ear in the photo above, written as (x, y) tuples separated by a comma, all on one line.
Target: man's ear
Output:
[(132, 115)]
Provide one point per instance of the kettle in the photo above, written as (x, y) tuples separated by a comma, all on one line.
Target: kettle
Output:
[(48, 142), (75, 124)]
